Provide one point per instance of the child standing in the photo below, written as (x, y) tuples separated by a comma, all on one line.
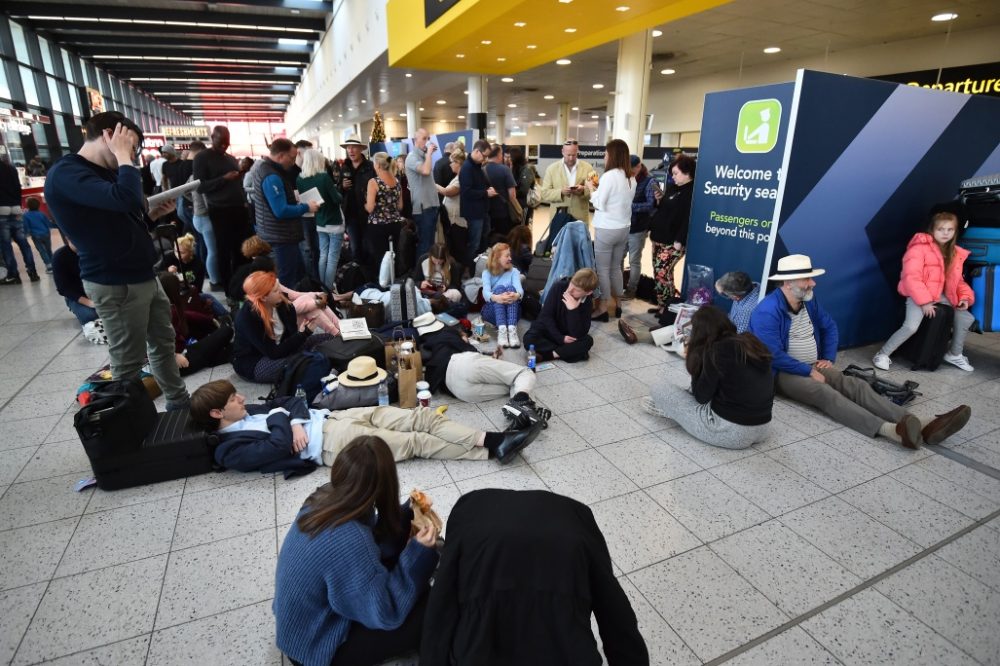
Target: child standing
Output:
[(37, 225), (503, 292), (932, 273)]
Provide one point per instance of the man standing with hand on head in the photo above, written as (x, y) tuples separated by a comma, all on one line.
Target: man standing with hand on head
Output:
[(419, 175), (222, 185), (96, 198)]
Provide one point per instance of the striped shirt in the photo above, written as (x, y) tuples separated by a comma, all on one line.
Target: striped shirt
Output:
[(801, 338)]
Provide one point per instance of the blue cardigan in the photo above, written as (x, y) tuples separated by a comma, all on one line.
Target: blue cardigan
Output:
[(771, 323), (253, 450), (326, 582)]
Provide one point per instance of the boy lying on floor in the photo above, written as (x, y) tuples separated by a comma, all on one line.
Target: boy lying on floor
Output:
[(285, 435)]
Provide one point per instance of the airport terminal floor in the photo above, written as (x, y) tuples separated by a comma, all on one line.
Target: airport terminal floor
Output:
[(818, 546)]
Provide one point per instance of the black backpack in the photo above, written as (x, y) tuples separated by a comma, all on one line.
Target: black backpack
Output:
[(350, 277), (898, 393)]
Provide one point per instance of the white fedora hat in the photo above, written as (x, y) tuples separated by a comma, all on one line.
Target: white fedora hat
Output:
[(362, 371), (795, 267), (427, 323), (353, 140)]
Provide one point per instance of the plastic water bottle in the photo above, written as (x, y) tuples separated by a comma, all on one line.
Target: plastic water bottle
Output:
[(300, 392), (383, 394), (532, 359)]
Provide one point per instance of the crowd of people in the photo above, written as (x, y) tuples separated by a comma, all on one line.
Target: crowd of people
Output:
[(352, 582)]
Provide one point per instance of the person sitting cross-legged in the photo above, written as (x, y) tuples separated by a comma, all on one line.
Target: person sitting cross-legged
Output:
[(562, 329), (251, 436), (802, 338)]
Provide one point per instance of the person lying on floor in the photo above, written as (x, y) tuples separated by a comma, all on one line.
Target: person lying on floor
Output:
[(257, 437), (562, 329), (453, 364)]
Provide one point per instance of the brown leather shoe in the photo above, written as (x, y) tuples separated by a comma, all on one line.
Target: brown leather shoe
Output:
[(946, 425), (627, 332), (908, 430)]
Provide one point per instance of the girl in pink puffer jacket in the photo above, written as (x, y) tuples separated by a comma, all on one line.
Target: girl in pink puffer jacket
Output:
[(932, 273)]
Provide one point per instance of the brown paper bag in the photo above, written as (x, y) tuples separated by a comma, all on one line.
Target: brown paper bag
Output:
[(410, 372)]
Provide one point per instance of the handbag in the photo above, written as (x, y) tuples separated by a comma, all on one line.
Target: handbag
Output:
[(337, 396), (373, 313), (534, 198)]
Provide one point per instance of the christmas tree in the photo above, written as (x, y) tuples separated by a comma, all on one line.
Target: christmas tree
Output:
[(378, 129)]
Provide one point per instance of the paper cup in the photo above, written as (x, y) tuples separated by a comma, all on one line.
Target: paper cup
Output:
[(424, 398), (423, 386)]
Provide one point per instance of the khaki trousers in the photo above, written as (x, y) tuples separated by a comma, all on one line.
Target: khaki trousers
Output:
[(410, 433)]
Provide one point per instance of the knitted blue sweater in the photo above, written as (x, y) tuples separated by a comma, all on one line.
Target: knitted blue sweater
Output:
[(326, 582)]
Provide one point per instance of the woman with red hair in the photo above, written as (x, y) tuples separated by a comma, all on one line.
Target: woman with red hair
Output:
[(268, 335)]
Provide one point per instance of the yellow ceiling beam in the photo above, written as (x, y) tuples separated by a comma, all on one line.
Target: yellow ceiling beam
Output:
[(463, 28)]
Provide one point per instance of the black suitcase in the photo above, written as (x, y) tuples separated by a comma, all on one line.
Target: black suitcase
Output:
[(538, 273), (926, 348), (340, 352), (129, 444)]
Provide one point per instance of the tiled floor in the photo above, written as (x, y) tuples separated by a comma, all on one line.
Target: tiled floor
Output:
[(773, 555)]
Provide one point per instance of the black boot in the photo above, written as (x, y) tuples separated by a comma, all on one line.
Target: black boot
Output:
[(513, 442), (33, 276)]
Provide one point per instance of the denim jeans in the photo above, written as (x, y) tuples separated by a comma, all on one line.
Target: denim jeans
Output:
[(426, 229), (44, 246), (329, 257), (136, 320), (636, 243), (309, 248), (83, 313), (12, 231), (475, 234), (203, 225), (288, 260)]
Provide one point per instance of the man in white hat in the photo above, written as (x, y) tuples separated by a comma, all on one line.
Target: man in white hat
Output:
[(803, 338), (354, 177), (271, 437), (453, 364)]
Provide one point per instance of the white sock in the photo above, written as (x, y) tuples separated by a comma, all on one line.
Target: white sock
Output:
[(888, 430)]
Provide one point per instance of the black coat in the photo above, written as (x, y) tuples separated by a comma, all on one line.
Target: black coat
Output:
[(669, 224), (520, 573)]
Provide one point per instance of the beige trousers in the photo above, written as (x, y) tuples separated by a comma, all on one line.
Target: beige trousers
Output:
[(410, 433)]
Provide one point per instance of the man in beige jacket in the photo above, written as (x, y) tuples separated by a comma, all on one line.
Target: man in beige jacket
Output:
[(563, 184)]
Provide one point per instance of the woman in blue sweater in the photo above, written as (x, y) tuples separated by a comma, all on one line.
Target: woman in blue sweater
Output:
[(503, 292), (351, 585)]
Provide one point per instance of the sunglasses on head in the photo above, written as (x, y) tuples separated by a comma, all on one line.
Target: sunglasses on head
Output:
[(571, 142)]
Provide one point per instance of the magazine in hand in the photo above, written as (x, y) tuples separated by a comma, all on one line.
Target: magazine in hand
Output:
[(172, 193), (311, 194), (354, 329)]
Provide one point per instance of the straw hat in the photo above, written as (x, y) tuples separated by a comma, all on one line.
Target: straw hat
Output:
[(795, 267), (362, 371), (353, 140), (427, 323)]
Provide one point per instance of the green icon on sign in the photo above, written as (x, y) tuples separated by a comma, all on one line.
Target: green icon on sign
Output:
[(757, 128)]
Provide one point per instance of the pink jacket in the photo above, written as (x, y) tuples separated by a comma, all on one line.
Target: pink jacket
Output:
[(923, 277)]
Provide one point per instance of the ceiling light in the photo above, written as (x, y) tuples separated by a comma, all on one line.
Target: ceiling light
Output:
[(595, 117), (550, 97), (420, 109), (541, 114), (947, 16), (493, 122), (409, 76), (402, 115), (575, 108), (772, 49), (350, 108), (657, 33), (381, 90), (459, 55), (441, 101), (597, 86), (486, 42), (565, 2), (507, 79), (564, 61), (570, 30), (668, 71), (461, 117), (465, 92), (501, 59), (531, 46), (364, 101), (340, 115), (623, 8), (520, 24), (512, 106)]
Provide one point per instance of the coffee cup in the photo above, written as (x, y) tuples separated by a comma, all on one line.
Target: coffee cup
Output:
[(423, 386), (424, 398)]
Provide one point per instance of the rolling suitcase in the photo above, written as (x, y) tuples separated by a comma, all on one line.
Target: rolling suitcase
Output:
[(986, 309), (926, 348), (983, 244), (538, 273), (981, 200), (129, 444)]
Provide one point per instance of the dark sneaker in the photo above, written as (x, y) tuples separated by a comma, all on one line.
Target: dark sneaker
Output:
[(523, 413), (11, 279), (33, 276)]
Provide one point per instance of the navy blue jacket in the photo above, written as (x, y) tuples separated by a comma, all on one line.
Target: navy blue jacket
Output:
[(474, 203), (102, 211), (771, 323), (250, 344), (253, 450)]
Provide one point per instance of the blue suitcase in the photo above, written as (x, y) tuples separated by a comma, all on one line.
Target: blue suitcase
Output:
[(986, 309), (983, 244)]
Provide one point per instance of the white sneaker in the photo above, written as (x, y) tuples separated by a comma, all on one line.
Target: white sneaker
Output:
[(881, 361), (512, 337), (959, 361), (502, 339)]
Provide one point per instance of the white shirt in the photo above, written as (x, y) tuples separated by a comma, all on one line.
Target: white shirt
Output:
[(612, 200), (156, 168), (313, 428), (570, 173), (801, 337)]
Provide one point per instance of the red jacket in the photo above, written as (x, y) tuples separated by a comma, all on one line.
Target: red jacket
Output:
[(923, 278)]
